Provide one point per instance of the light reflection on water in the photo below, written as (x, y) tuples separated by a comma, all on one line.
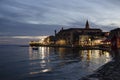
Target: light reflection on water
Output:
[(40, 60), (65, 63)]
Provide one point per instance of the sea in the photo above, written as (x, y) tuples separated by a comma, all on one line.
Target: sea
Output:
[(49, 63)]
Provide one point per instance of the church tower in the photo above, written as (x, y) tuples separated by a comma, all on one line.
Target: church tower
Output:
[(87, 25)]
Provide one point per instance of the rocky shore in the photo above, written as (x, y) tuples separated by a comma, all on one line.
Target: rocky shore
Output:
[(109, 71)]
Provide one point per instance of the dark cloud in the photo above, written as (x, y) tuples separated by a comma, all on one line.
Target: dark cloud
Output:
[(42, 17), (21, 12), (16, 28), (57, 12)]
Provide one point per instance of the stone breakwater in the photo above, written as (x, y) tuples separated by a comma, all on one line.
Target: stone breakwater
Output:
[(109, 71)]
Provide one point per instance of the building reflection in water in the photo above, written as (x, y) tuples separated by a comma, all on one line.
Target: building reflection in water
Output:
[(46, 59), (39, 59)]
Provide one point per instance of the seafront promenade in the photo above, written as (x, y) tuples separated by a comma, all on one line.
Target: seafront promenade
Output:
[(99, 47)]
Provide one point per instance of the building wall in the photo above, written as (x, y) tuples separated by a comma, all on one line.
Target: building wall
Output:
[(118, 42), (84, 40), (115, 38), (78, 36)]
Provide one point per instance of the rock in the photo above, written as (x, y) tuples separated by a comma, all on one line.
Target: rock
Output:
[(109, 71)]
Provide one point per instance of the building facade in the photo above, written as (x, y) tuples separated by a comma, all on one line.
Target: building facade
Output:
[(78, 36), (115, 38)]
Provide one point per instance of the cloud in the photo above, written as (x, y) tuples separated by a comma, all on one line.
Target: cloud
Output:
[(29, 37), (42, 17), (21, 11), (11, 28), (21, 40)]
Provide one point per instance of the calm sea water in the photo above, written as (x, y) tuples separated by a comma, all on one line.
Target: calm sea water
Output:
[(46, 63)]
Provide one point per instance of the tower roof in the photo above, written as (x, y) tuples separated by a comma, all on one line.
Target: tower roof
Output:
[(87, 25)]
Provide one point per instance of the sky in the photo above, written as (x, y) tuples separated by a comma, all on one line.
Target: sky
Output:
[(31, 19)]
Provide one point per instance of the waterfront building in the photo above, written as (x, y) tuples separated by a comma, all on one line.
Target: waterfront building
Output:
[(115, 38), (76, 37), (79, 36), (49, 40)]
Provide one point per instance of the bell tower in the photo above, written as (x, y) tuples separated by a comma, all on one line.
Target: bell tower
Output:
[(87, 25)]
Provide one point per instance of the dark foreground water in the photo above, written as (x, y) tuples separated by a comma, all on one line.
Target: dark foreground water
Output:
[(46, 63)]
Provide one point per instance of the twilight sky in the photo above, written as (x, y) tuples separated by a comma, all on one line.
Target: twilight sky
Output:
[(34, 18)]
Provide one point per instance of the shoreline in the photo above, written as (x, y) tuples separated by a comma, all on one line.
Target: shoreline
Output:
[(70, 46), (109, 71)]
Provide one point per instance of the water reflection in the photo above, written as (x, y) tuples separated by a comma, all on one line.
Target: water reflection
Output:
[(109, 71), (39, 59), (47, 59)]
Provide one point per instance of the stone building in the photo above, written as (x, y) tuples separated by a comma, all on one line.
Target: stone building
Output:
[(78, 36), (115, 38)]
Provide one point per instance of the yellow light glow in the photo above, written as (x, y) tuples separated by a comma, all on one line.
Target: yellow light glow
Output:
[(37, 72), (61, 42)]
